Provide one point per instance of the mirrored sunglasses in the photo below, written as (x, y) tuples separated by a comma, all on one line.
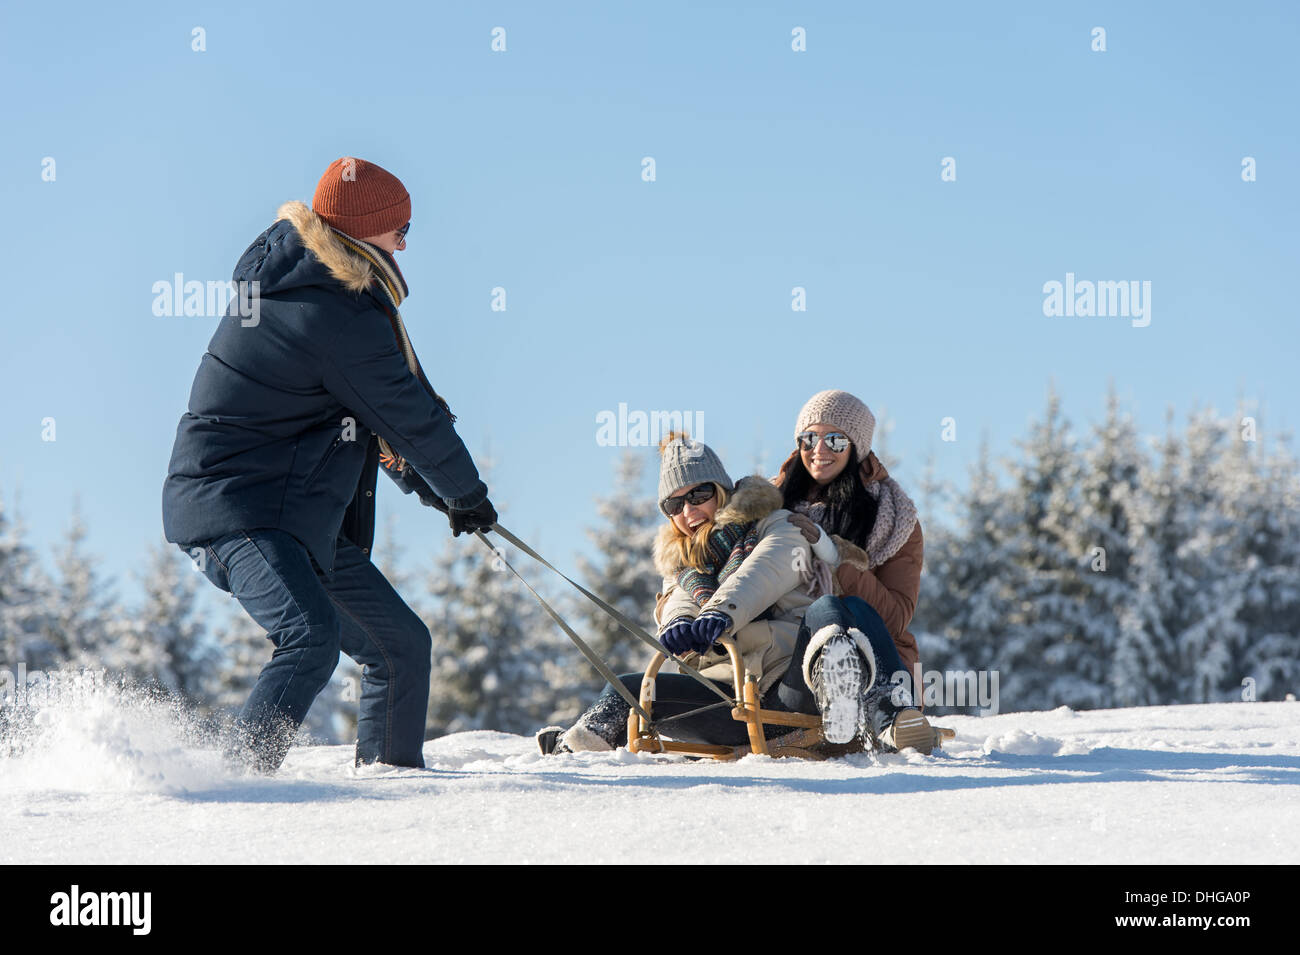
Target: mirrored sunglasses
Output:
[(835, 440)]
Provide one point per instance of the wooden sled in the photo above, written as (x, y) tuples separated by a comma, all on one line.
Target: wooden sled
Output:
[(805, 741)]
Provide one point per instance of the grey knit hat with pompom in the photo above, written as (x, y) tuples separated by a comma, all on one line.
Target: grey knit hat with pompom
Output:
[(685, 462)]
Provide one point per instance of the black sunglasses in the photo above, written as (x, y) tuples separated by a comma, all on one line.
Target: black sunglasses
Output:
[(836, 441), (401, 233), (696, 495)]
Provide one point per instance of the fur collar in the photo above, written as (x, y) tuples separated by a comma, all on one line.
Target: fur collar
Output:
[(752, 500), (354, 272)]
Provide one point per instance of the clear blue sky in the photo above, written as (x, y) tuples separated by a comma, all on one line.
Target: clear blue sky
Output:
[(774, 169)]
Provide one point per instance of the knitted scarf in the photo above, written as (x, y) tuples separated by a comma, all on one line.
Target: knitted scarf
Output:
[(727, 548), (389, 279), (895, 519)]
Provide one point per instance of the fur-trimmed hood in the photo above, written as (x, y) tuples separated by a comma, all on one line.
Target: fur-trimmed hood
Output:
[(353, 271), (301, 250), (753, 499)]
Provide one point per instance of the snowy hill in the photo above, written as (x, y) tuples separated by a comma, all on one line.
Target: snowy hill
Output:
[(116, 783)]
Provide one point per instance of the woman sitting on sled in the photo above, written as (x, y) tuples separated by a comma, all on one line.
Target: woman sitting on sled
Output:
[(737, 563), (835, 481)]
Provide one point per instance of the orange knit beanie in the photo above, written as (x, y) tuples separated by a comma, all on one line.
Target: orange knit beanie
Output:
[(361, 199)]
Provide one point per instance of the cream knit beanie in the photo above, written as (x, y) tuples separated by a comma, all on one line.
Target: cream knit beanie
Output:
[(841, 410)]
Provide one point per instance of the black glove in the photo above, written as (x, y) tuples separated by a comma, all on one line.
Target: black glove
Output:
[(467, 521)]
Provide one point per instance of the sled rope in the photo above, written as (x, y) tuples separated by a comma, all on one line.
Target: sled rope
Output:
[(620, 618), (592, 657)]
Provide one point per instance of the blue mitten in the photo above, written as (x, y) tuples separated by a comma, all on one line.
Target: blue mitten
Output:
[(676, 638), (706, 628)]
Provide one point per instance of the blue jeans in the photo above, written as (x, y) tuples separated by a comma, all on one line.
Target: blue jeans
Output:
[(311, 615)]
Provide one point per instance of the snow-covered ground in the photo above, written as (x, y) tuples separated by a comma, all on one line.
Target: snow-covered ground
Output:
[(110, 782)]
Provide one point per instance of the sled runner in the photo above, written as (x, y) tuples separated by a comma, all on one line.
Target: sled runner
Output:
[(805, 740)]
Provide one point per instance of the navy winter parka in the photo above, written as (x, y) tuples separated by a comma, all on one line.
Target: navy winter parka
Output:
[(287, 402)]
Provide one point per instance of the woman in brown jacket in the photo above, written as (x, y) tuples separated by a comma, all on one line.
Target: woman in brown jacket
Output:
[(834, 481)]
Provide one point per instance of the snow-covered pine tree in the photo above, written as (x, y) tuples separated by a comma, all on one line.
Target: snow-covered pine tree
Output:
[(967, 590), (624, 574), (1261, 493), (24, 596), (1208, 633), (78, 632), (1050, 655), (171, 648), (936, 604), (932, 494), (1112, 464), (1146, 669), (1102, 540)]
